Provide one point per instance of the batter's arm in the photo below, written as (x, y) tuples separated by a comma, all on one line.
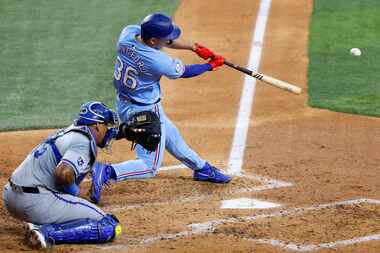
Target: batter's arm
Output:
[(201, 51), (181, 44), (195, 70)]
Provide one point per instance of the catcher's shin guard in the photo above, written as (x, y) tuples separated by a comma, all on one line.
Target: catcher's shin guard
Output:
[(82, 231)]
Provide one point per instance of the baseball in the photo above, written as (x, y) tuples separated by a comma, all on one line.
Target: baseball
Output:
[(355, 51)]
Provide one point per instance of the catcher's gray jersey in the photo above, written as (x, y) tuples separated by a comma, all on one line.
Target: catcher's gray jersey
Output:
[(74, 146)]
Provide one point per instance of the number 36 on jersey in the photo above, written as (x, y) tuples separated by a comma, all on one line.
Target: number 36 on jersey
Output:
[(126, 73)]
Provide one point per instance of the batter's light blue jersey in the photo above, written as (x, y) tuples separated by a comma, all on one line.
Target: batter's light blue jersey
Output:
[(138, 68)]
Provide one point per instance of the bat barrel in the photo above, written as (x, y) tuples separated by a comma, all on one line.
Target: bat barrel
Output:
[(267, 79)]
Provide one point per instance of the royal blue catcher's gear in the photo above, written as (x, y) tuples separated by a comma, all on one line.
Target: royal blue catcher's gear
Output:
[(211, 174), (159, 26), (110, 135), (101, 174), (96, 112), (76, 231)]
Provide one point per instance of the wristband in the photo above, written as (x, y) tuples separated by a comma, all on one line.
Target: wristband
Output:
[(72, 189)]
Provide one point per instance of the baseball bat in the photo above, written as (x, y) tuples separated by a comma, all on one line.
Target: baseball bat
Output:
[(267, 79)]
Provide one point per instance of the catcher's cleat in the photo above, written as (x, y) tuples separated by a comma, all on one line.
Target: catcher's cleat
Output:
[(210, 174), (29, 227), (100, 176), (36, 239)]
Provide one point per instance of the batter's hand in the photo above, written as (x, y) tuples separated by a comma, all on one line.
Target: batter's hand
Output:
[(203, 52), (217, 61)]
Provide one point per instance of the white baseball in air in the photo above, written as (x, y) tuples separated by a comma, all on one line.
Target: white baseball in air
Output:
[(355, 51)]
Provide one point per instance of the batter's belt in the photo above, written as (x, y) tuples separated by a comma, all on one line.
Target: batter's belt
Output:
[(132, 101)]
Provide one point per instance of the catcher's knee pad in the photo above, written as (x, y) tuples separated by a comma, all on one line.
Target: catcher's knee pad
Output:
[(83, 231)]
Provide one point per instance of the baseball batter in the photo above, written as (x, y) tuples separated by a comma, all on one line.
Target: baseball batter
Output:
[(43, 190), (139, 66)]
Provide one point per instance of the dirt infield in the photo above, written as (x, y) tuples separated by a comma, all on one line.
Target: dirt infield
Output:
[(320, 166)]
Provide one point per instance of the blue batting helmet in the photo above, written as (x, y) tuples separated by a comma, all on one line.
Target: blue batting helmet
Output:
[(95, 112), (159, 26)]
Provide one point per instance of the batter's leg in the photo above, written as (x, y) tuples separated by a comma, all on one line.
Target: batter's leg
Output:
[(203, 171), (176, 145), (147, 163)]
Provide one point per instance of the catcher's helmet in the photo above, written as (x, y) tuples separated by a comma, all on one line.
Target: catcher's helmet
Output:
[(159, 26), (95, 112)]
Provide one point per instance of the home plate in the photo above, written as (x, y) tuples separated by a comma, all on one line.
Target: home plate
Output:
[(246, 203)]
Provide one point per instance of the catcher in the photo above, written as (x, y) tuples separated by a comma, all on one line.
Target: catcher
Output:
[(43, 191)]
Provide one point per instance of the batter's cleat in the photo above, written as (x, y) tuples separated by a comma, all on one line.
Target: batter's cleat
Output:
[(36, 239), (210, 174), (100, 176)]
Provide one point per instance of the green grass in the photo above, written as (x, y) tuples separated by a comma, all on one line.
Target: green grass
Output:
[(337, 80), (55, 55)]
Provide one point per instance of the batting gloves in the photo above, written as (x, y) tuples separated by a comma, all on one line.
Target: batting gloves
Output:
[(217, 61), (203, 52)]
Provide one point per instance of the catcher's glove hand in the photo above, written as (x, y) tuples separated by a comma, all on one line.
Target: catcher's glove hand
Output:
[(142, 128)]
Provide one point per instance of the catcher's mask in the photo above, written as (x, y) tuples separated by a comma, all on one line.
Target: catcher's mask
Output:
[(96, 112)]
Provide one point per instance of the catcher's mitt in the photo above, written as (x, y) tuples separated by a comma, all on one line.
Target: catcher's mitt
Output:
[(142, 128)]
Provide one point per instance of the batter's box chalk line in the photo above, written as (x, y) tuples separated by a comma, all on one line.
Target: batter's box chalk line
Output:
[(210, 226), (266, 184)]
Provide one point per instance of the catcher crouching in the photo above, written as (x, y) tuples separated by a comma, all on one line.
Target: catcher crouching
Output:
[(44, 190)]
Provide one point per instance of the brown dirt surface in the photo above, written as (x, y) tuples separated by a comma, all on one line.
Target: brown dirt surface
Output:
[(331, 224), (327, 156)]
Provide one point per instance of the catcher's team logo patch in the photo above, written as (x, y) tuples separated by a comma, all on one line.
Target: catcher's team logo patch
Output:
[(80, 161)]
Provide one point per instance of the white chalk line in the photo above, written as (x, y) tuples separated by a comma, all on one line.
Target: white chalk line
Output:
[(267, 184), (246, 99), (210, 226), (313, 247), (173, 167), (284, 213), (262, 179)]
